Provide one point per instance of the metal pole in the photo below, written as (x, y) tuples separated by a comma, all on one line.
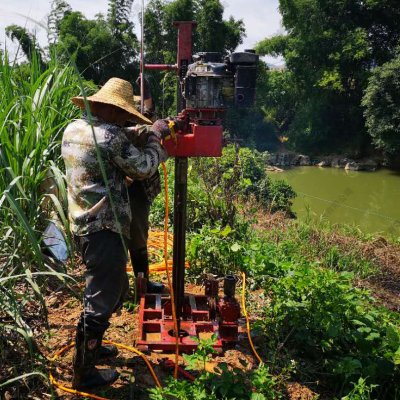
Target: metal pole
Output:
[(142, 62), (181, 170), (185, 30)]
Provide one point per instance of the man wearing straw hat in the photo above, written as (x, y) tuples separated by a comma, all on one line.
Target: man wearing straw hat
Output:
[(141, 195), (99, 154)]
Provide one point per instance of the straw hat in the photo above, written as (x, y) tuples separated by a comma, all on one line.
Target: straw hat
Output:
[(119, 93)]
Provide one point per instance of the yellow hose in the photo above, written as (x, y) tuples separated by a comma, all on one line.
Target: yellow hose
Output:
[(167, 271), (93, 396), (247, 318)]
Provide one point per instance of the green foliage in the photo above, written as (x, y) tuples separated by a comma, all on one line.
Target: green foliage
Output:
[(238, 175), (226, 384), (219, 187), (183, 390), (103, 48), (59, 10), (329, 319), (326, 324), (329, 50), (214, 33), (27, 43), (361, 391), (382, 105), (276, 195), (224, 251), (34, 111), (202, 354), (280, 100)]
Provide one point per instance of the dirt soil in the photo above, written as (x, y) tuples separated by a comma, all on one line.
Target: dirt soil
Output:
[(64, 311)]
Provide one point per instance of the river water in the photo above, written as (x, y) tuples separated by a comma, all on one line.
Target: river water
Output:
[(370, 200)]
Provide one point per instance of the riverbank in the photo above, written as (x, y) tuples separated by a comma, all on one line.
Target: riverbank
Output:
[(328, 299), (292, 159), (374, 259)]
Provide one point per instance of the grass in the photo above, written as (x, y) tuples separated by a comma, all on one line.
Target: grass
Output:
[(35, 107)]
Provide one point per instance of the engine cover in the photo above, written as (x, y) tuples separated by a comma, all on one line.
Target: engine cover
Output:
[(212, 84), (208, 85)]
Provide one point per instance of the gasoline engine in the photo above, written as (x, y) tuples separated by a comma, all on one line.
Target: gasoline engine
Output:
[(212, 84)]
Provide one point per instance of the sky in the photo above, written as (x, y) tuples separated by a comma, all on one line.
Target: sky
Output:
[(261, 17)]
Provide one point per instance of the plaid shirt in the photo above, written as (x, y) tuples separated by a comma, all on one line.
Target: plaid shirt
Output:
[(125, 152)]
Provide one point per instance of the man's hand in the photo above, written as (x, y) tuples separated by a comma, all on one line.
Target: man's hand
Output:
[(160, 129), (146, 90), (179, 123)]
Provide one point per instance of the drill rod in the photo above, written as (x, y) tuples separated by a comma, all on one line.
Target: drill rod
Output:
[(181, 172)]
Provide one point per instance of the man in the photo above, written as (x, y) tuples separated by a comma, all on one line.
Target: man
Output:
[(141, 195), (98, 157)]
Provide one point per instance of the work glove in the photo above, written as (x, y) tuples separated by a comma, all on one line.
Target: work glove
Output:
[(179, 123), (147, 93), (161, 129)]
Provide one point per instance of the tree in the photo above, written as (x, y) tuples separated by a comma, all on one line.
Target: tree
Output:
[(279, 102), (382, 106), (102, 48), (118, 16), (59, 9), (28, 45), (331, 48), (214, 33)]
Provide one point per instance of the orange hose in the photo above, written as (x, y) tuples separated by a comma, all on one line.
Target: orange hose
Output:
[(93, 396), (167, 270), (247, 319)]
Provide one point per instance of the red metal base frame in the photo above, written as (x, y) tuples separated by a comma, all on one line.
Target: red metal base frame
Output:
[(156, 326)]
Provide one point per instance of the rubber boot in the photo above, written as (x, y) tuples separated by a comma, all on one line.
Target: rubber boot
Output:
[(87, 352), (108, 351), (140, 263)]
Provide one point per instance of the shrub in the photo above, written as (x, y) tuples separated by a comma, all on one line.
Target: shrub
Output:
[(323, 317)]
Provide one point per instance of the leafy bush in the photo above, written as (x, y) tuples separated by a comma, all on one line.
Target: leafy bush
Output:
[(382, 106), (315, 311), (221, 250), (327, 319), (217, 187), (361, 391), (228, 384), (276, 195)]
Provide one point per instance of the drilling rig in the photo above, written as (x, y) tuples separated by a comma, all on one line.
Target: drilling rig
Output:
[(208, 86)]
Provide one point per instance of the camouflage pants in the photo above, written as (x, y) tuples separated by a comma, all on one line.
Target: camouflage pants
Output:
[(105, 259), (107, 282)]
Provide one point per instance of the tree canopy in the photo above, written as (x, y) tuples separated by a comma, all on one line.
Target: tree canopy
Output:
[(103, 47), (331, 48), (382, 106)]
